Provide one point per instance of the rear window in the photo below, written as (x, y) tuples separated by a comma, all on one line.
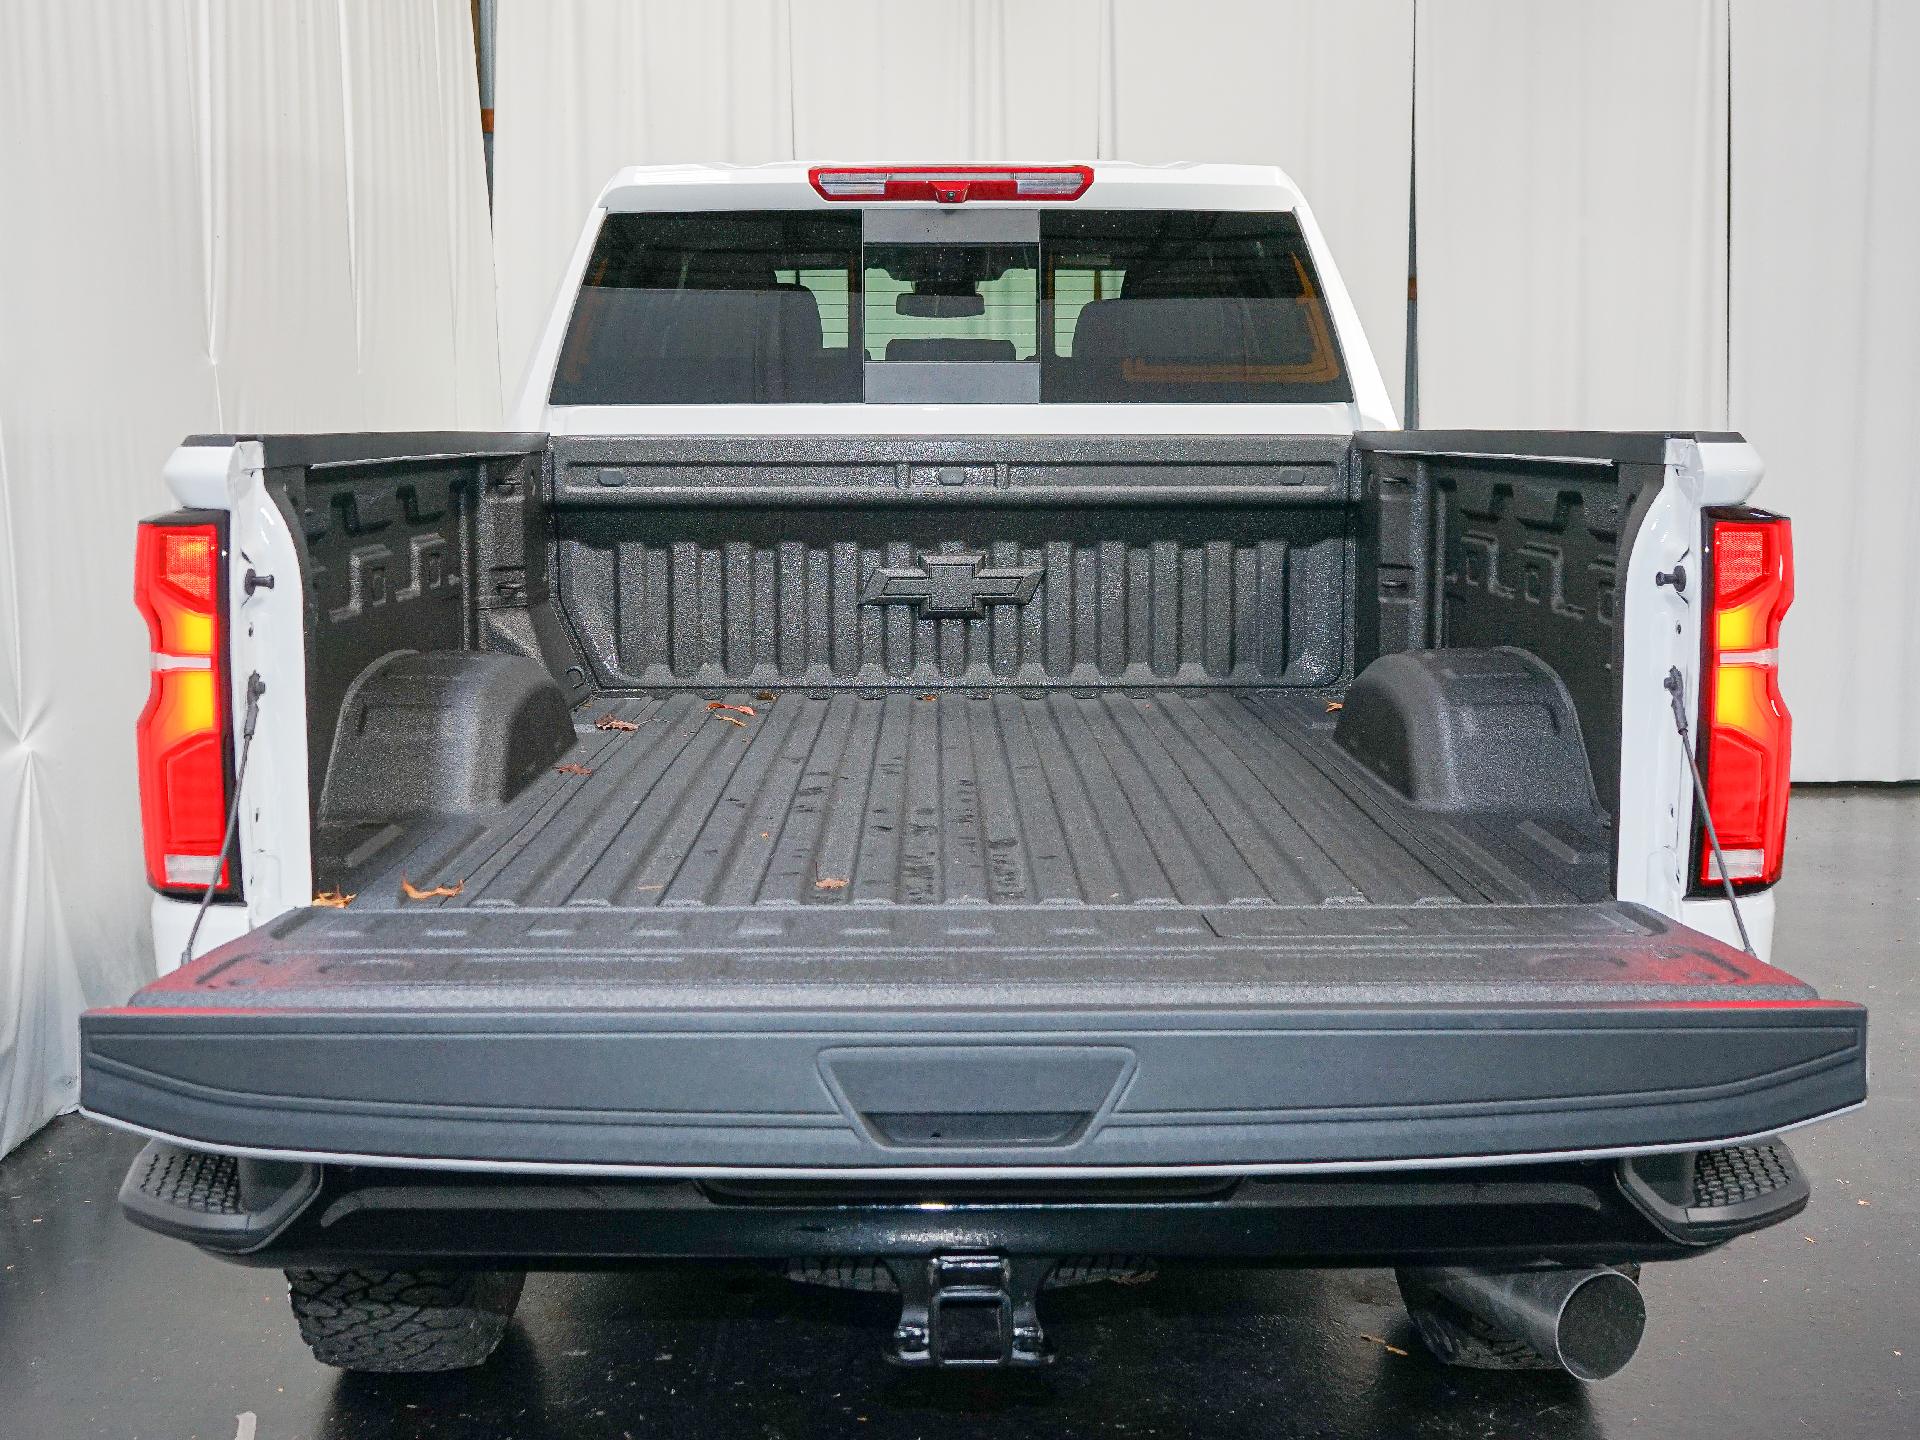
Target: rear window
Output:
[(1101, 307), (715, 308)]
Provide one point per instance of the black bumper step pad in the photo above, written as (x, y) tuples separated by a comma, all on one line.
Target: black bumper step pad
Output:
[(1738, 1174), (190, 1180)]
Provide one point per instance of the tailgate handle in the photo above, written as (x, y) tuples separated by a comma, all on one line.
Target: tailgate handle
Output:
[(966, 1128), (936, 1097)]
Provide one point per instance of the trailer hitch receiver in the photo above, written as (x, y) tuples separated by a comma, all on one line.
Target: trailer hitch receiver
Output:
[(969, 1310)]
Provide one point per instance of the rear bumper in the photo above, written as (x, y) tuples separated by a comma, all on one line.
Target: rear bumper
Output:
[(1604, 1212), (1236, 1042)]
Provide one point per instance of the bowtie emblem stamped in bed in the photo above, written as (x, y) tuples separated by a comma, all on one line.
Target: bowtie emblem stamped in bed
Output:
[(951, 587)]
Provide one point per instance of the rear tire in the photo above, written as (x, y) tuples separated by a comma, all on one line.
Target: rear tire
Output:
[(403, 1321)]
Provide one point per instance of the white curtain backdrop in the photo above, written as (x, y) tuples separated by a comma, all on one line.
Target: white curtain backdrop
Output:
[(1826, 358), (586, 86), (1572, 214), (219, 216), (874, 80)]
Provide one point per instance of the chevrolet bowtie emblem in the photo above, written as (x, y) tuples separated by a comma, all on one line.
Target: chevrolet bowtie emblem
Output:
[(953, 586)]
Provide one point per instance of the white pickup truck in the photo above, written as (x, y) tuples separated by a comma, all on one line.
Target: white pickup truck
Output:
[(959, 750)]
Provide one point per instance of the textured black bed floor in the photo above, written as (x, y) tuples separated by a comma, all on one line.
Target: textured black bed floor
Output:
[(1034, 798)]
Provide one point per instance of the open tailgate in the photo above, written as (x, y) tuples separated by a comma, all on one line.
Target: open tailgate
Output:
[(1016, 1039)]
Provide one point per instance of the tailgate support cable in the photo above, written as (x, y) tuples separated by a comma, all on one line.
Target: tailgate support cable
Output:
[(256, 687), (1676, 687)]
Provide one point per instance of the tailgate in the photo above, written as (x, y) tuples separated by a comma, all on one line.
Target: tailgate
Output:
[(1016, 1039)]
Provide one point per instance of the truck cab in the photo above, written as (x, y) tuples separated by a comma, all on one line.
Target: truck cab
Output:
[(958, 750)]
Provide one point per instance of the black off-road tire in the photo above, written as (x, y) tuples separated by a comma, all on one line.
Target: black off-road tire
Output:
[(1454, 1337), (403, 1321)]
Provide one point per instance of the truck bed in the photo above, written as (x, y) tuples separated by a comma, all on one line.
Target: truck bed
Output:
[(961, 798), (1106, 932), (966, 807)]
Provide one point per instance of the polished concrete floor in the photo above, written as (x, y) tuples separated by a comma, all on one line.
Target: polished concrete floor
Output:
[(1812, 1328)]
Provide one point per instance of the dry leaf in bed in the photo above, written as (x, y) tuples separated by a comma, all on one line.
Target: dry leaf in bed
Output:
[(926, 697), (614, 722), (1333, 705), (763, 695), (332, 899), (731, 720), (736, 709), (571, 769), (829, 882), (431, 892)]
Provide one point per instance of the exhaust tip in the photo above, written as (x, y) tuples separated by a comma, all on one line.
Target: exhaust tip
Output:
[(1600, 1325), (1587, 1322)]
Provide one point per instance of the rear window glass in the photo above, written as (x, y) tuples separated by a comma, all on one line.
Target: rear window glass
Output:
[(1104, 307), (716, 308), (1185, 306)]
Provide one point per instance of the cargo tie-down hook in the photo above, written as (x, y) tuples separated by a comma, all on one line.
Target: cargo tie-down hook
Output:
[(1676, 577)]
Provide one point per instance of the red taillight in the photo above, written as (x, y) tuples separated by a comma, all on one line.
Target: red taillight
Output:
[(183, 729), (951, 184), (1746, 732)]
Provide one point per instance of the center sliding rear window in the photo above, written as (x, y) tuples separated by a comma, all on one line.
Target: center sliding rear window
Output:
[(1100, 307)]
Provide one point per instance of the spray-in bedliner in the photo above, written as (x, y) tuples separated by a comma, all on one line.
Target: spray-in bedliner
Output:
[(963, 797)]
